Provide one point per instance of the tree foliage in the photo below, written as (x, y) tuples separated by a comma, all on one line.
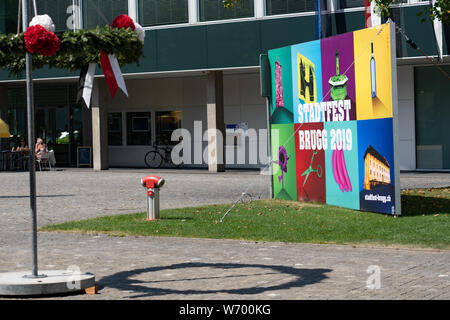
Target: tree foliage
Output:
[(230, 3), (439, 10)]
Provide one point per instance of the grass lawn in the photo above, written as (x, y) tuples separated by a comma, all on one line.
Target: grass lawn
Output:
[(424, 223)]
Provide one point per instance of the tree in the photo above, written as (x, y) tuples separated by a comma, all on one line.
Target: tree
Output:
[(439, 10)]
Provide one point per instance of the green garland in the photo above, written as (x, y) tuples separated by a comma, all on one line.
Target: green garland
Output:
[(77, 49)]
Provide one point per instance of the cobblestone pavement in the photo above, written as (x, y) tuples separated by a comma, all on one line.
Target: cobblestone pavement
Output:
[(177, 268)]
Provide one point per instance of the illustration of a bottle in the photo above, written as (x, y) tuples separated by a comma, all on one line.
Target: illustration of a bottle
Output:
[(338, 83), (373, 79)]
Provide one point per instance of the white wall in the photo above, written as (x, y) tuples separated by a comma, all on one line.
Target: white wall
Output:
[(242, 100), (407, 131)]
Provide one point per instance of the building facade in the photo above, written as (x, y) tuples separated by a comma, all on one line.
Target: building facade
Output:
[(201, 70), (376, 169)]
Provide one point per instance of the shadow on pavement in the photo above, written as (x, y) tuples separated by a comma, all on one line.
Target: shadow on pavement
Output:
[(38, 196), (124, 281)]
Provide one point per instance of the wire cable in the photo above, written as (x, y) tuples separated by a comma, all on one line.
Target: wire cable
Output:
[(416, 47)]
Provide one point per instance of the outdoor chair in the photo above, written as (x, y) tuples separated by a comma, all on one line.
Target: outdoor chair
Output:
[(44, 160)]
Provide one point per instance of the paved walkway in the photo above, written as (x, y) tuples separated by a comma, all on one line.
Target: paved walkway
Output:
[(176, 268)]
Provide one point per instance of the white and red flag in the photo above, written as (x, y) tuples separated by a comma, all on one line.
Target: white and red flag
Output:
[(372, 17), (86, 83), (113, 75)]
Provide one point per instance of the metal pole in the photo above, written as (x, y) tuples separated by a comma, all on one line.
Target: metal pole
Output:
[(30, 120), (269, 146)]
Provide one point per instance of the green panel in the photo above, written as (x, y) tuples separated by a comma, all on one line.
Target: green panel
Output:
[(432, 117), (347, 22), (43, 73), (446, 44), (148, 62), (47, 72), (233, 44), (278, 33), (181, 48), (265, 79)]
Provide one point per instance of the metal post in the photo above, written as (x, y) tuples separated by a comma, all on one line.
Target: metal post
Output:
[(30, 119), (153, 204), (269, 146)]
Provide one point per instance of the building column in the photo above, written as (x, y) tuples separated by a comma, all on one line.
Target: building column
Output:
[(216, 122), (4, 143), (99, 130)]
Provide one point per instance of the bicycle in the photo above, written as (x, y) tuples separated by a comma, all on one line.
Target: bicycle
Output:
[(161, 154)]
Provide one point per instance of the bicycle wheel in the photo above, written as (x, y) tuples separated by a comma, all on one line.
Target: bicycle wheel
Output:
[(153, 159)]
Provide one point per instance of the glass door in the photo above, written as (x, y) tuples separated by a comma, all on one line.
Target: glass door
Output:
[(52, 125), (59, 122)]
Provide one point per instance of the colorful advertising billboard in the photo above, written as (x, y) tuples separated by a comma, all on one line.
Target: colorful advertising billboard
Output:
[(334, 122)]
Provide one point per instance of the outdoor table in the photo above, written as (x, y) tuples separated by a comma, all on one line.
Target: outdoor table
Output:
[(18, 159), (4, 159), (13, 160)]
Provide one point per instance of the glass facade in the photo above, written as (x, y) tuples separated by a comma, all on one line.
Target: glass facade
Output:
[(274, 7), (210, 10), (115, 129), (58, 119), (102, 12), (57, 10), (432, 116), (8, 16), (139, 131), (343, 4), (158, 12), (166, 123)]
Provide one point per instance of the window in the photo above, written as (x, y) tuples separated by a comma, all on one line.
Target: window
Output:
[(115, 129), (432, 113), (57, 10), (139, 128), (289, 6), (8, 16), (343, 4), (102, 12), (166, 123), (157, 12), (214, 10)]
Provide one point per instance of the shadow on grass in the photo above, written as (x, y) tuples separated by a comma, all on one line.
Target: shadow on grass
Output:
[(176, 218), (413, 205), (126, 280)]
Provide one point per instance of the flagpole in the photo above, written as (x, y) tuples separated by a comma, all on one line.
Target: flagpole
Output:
[(30, 124)]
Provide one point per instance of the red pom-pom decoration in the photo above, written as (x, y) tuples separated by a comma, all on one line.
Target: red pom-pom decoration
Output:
[(39, 40), (123, 21)]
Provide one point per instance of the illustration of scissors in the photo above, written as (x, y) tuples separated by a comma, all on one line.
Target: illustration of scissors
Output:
[(308, 171)]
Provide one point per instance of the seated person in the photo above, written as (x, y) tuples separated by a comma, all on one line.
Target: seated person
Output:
[(22, 147), (40, 148)]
